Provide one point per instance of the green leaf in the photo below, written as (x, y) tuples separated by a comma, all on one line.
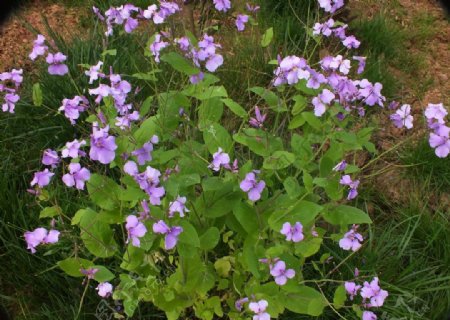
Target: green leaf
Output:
[(37, 95), (325, 166), (209, 111), (146, 130), (179, 63), (279, 160), (149, 76), (246, 216), (189, 235), (50, 212), (305, 301), (216, 136), (339, 297), (296, 122), (235, 108), (72, 266), (212, 92), (104, 191), (292, 187), (274, 102), (312, 120), (210, 239), (302, 211), (300, 104), (110, 52), (146, 105), (308, 247), (223, 266), (342, 215), (96, 234), (103, 274), (267, 38)]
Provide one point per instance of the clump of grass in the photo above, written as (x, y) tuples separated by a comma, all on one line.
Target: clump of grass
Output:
[(424, 165)]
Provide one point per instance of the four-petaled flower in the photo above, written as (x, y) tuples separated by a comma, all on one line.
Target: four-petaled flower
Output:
[(252, 186), (259, 307), (42, 178), (293, 233), (171, 233), (280, 273), (104, 289), (353, 186), (402, 117), (351, 240), (179, 205), (77, 176), (135, 229), (220, 159), (40, 236)]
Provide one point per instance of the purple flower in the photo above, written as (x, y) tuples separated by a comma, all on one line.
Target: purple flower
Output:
[(220, 159), (340, 166), (321, 101), (104, 289), (125, 121), (353, 185), (144, 154), (214, 62), (259, 119), (73, 107), (15, 76), (402, 117), (331, 5), (135, 229), (172, 233), (157, 46), (315, 80), (179, 205), (291, 69), (10, 102), (338, 63), (293, 233), (222, 5), (323, 28), (351, 42), (436, 112), (352, 289), (196, 78), (42, 178), (373, 292), (94, 72), (39, 47), (56, 65), (40, 236), (184, 43), (251, 8), (239, 304), (89, 273), (241, 20), (351, 240), (259, 308), (361, 63), (50, 158), (369, 315), (252, 187), (280, 273), (103, 146), (131, 168), (371, 93), (72, 149), (440, 141), (77, 176)]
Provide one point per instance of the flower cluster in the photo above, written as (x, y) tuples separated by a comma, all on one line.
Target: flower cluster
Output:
[(40, 236), (55, 61), (440, 135), (351, 240), (331, 5), (371, 293), (327, 30), (9, 84)]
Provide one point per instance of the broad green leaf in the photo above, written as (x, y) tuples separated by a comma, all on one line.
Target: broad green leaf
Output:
[(305, 301), (50, 212), (235, 108), (223, 266), (149, 76), (292, 187), (308, 247), (279, 160), (72, 266), (146, 105), (179, 63), (209, 111), (216, 137), (110, 52), (103, 274), (312, 120), (300, 104), (296, 122), (325, 166), (247, 217), (189, 234), (104, 191), (212, 92), (274, 102), (37, 95), (339, 297), (267, 38), (210, 239), (302, 211), (343, 214)]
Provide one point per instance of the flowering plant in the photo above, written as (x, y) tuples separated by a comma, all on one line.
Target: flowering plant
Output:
[(200, 221)]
